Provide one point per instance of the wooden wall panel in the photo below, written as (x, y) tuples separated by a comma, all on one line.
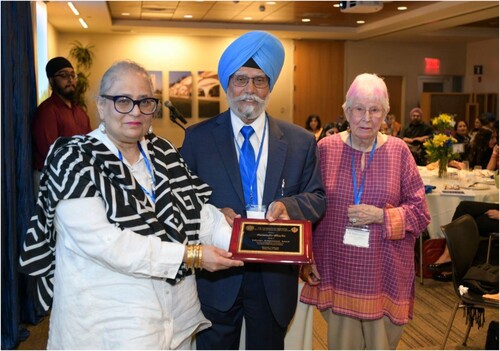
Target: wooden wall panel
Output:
[(433, 104), (395, 89), (318, 80)]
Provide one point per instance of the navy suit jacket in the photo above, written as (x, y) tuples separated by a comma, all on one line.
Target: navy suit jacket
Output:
[(209, 151)]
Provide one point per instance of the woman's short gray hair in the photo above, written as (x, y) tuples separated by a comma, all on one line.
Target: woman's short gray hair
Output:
[(367, 86), (114, 72)]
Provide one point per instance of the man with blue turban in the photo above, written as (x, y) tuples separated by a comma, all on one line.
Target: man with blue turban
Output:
[(258, 167)]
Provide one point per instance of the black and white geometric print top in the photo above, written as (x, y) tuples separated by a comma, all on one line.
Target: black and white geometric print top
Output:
[(82, 166)]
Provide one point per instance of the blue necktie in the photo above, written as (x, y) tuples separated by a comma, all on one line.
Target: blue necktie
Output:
[(248, 170)]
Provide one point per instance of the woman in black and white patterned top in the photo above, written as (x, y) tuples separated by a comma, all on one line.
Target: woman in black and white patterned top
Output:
[(128, 216)]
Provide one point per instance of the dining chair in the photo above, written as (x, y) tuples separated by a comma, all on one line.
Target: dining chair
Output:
[(421, 257), (462, 238), (491, 237)]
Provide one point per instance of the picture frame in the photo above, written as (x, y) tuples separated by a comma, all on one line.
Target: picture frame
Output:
[(208, 94), (157, 79), (180, 91)]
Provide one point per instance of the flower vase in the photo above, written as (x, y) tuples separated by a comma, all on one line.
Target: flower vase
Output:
[(443, 167)]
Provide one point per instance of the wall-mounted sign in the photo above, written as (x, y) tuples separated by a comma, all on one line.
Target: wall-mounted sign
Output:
[(432, 65)]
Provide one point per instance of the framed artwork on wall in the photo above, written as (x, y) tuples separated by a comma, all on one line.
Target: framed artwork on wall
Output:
[(180, 85), (208, 94), (157, 78)]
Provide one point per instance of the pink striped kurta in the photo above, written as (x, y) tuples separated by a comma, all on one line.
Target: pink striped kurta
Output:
[(368, 283)]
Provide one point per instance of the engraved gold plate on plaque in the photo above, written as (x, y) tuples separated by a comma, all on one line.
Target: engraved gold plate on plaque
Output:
[(281, 241)]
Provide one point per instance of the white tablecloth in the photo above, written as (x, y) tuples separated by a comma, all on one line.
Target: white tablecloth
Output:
[(442, 206)]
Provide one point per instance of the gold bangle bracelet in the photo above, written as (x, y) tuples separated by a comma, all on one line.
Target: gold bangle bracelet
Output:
[(194, 256), (190, 256), (199, 256)]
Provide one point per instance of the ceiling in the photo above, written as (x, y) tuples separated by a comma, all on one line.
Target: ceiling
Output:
[(423, 21)]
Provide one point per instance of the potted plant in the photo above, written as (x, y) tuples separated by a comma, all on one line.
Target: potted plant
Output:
[(84, 58)]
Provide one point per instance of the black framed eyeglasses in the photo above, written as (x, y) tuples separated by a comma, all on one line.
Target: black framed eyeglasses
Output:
[(124, 104), (258, 82), (66, 75)]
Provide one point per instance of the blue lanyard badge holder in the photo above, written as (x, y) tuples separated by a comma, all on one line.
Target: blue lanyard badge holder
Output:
[(254, 209), (150, 194), (358, 235)]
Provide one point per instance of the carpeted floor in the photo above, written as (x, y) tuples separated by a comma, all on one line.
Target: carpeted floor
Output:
[(433, 306), (434, 302)]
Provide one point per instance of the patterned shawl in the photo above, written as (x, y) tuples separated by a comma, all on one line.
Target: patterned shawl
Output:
[(83, 166)]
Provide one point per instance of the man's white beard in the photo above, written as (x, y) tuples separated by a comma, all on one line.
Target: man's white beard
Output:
[(248, 112)]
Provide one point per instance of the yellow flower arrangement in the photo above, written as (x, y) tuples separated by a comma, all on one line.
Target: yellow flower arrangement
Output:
[(440, 146), (443, 122)]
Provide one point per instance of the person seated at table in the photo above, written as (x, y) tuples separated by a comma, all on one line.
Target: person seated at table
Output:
[(489, 120), (393, 126), (313, 124), (383, 128), (461, 133), (328, 129), (341, 124), (485, 215), (476, 126), (484, 149), (416, 134)]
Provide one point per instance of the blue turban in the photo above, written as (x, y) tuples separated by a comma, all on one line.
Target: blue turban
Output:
[(265, 49)]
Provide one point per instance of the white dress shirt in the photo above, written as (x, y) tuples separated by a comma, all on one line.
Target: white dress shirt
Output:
[(255, 139)]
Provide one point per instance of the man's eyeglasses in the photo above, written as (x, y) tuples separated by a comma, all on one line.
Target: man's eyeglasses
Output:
[(258, 82), (360, 111), (124, 104), (66, 75)]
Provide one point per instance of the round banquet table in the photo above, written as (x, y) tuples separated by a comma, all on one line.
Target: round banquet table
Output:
[(442, 204)]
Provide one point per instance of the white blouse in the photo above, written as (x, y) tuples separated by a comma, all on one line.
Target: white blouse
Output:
[(110, 290)]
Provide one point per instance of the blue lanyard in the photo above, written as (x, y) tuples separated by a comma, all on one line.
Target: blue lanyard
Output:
[(359, 192), (151, 194), (254, 173)]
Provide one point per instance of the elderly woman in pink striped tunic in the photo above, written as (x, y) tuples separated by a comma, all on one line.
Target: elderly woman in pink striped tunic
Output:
[(362, 278)]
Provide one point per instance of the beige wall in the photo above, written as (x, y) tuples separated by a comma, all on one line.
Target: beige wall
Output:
[(172, 53), (407, 60), (483, 53), (177, 53), (52, 42), (401, 59)]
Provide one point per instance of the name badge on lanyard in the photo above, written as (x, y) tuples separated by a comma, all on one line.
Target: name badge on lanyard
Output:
[(358, 236), (256, 211)]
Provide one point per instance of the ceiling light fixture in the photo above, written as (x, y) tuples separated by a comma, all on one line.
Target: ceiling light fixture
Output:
[(188, 16), (336, 5), (402, 8), (306, 20), (83, 23), (360, 22), (271, 2), (125, 13), (73, 8), (247, 18)]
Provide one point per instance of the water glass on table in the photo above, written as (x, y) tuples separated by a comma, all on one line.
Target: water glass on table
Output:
[(477, 173)]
